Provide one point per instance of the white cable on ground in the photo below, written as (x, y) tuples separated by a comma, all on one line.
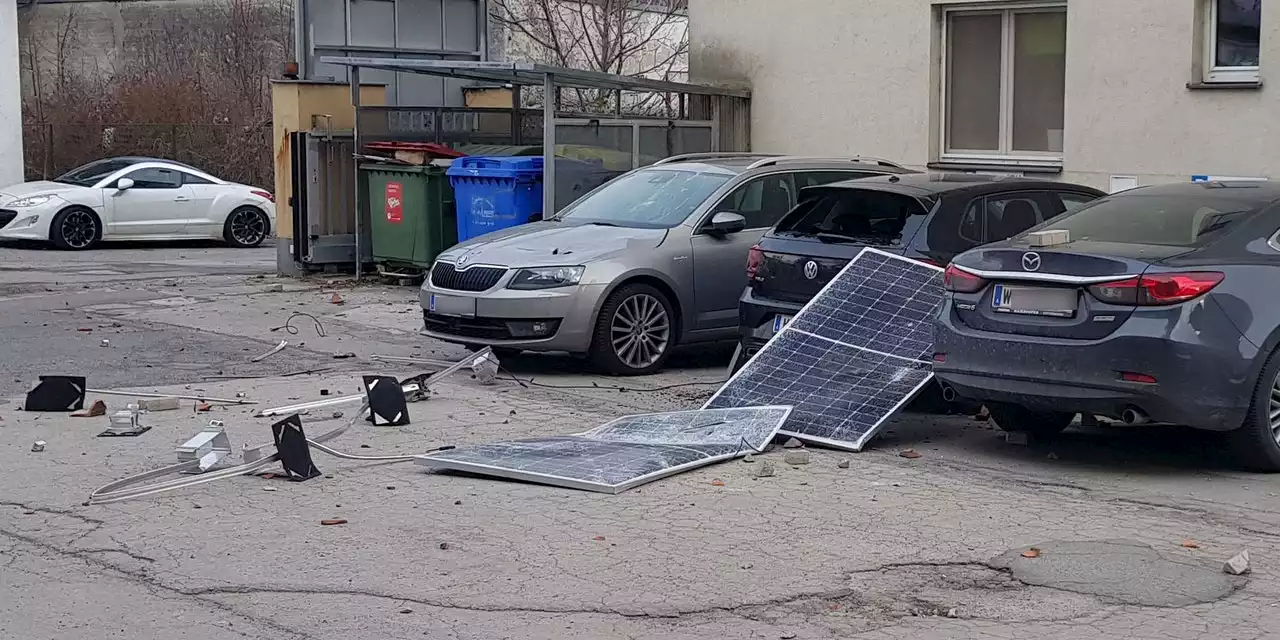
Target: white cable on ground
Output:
[(117, 491)]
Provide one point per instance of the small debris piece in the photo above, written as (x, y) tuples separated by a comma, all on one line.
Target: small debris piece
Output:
[(391, 487), (792, 444), (333, 521), (748, 459), (38, 446), (240, 394), (1190, 544), (328, 475), (1238, 565), (324, 392), (269, 489), (1031, 553), (337, 414), (160, 404), (598, 538), (787, 636), (406, 611), (85, 330), (457, 502), (444, 546), (843, 464), (1052, 456), (717, 482), (910, 454), (1015, 437), (98, 408), (104, 343), (336, 299), (344, 356), (796, 457), (765, 470), (275, 288), (28, 512), (951, 613), (364, 446), (203, 407)]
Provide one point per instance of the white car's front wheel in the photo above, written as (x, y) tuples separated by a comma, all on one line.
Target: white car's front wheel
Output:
[(75, 229), (246, 227)]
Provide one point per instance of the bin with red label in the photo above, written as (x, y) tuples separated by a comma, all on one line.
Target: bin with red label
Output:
[(412, 217)]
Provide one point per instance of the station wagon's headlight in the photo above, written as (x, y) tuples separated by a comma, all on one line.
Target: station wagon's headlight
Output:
[(30, 201), (546, 277)]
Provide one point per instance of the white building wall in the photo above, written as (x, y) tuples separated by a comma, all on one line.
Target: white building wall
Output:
[(10, 96), (861, 77)]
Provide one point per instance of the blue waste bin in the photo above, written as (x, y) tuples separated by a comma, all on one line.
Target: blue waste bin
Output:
[(495, 192)]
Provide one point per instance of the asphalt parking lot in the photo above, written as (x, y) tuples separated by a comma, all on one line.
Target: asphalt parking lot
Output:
[(1132, 524)]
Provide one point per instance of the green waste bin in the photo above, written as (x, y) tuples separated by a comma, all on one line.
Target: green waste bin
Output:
[(412, 217)]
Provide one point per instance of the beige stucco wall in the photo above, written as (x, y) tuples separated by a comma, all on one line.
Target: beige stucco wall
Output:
[(859, 76)]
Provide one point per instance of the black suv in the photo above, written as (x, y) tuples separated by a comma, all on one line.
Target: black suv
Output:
[(928, 217)]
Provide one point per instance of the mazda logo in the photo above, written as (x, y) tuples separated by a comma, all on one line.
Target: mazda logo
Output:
[(1031, 261), (810, 269)]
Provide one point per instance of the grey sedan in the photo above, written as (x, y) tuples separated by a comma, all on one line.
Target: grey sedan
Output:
[(653, 259)]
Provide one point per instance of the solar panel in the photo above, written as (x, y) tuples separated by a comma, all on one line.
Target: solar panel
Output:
[(623, 453), (852, 357)]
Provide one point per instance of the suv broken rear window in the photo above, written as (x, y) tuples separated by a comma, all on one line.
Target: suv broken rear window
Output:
[(854, 215), (1180, 221)]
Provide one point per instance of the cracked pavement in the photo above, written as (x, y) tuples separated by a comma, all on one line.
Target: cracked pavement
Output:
[(888, 548)]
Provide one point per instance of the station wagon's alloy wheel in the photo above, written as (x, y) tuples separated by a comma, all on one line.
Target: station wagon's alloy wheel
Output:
[(246, 227), (75, 229), (1273, 409), (634, 333)]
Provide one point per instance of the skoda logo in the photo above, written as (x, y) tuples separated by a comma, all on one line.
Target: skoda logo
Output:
[(462, 259), (1031, 261), (810, 269)]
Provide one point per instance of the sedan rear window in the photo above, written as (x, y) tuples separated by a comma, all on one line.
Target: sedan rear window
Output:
[(1180, 221), (854, 215), (655, 199)]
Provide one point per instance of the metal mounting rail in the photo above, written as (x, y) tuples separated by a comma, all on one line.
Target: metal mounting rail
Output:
[(714, 155), (785, 159)]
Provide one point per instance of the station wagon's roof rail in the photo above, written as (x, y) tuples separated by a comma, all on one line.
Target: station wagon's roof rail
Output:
[(714, 155), (863, 159)]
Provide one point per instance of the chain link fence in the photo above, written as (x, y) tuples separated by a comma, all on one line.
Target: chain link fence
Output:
[(232, 152)]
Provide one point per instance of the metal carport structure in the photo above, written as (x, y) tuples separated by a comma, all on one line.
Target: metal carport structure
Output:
[(720, 104)]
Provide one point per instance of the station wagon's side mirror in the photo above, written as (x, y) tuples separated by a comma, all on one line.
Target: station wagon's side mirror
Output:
[(124, 184), (726, 222)]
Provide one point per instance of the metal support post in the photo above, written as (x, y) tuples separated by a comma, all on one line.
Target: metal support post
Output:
[(355, 136), (548, 146)]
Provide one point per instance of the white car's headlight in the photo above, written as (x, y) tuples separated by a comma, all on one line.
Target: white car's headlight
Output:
[(546, 277), (29, 201)]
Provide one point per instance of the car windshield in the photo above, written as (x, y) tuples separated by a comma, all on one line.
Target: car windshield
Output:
[(648, 199), (89, 174), (1135, 218)]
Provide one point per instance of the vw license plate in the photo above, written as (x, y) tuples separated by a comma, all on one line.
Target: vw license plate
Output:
[(1034, 301), (780, 321)]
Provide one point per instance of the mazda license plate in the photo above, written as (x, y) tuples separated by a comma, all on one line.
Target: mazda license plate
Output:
[(1034, 301)]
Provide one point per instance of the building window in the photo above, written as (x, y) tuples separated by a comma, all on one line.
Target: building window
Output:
[(1233, 39), (1004, 84)]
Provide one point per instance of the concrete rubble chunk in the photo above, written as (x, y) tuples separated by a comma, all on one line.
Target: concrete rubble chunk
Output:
[(796, 457), (170, 403), (38, 446), (748, 458), (843, 464), (765, 470), (1238, 565), (793, 444)]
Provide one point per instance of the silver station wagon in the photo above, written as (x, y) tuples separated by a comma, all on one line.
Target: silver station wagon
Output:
[(652, 259)]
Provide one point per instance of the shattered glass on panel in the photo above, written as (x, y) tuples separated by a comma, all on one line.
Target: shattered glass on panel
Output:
[(852, 357), (623, 453)]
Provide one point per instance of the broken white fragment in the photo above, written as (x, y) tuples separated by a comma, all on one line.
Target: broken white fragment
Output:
[(38, 446), (168, 403), (1238, 565)]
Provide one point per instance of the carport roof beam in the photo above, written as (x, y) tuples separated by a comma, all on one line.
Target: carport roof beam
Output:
[(529, 74)]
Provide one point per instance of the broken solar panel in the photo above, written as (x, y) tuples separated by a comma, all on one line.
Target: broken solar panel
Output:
[(852, 357), (623, 453)]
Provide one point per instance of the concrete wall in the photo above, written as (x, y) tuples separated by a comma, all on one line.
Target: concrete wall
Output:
[(10, 96), (861, 76)]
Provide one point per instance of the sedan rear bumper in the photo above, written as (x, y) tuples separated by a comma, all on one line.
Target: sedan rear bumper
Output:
[(1206, 386)]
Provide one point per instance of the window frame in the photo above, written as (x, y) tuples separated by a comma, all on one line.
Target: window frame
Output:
[(178, 172), (1214, 74), (1006, 155), (704, 226), (1039, 197)]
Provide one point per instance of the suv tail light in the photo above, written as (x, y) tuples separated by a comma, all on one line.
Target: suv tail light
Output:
[(954, 279), (755, 258), (1158, 288)]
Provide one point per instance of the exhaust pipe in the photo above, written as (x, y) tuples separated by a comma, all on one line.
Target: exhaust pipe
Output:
[(1133, 417), (948, 393)]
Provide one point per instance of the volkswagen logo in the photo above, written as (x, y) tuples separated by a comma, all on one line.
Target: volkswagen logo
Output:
[(811, 269), (1031, 261)]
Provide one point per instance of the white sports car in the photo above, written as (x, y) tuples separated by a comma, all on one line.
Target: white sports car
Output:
[(135, 199)]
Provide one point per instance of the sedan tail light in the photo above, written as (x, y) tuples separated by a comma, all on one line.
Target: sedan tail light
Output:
[(955, 279), (755, 258), (263, 194), (1157, 289)]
